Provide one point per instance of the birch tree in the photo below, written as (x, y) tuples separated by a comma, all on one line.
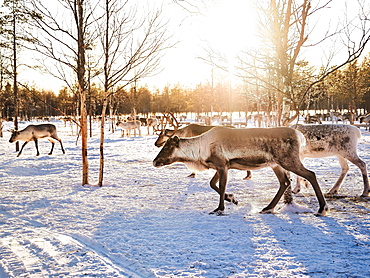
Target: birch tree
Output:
[(286, 27), (13, 19), (132, 47), (63, 34)]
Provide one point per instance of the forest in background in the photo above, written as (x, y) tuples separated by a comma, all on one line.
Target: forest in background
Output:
[(347, 89)]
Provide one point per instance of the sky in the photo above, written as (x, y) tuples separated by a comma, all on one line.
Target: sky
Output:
[(225, 26), (217, 23)]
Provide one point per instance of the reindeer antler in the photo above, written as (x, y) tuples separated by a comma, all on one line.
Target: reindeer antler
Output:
[(174, 121)]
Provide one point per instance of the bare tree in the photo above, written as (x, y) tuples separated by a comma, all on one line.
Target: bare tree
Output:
[(132, 47), (285, 31), (64, 42), (12, 17)]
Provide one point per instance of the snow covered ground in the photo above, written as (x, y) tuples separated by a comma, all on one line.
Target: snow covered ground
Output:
[(149, 222)]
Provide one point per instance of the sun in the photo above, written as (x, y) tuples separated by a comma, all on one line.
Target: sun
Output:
[(226, 27)]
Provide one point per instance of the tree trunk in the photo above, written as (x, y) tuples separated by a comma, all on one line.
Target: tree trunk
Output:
[(102, 124), (83, 122), (82, 89), (15, 85)]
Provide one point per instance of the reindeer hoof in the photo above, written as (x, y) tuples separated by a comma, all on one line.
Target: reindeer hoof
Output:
[(332, 192), (329, 195), (230, 198), (192, 175), (267, 211), (365, 194), (322, 212), (217, 211)]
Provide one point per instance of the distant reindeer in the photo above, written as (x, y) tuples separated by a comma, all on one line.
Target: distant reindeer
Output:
[(66, 119), (152, 123), (34, 132), (365, 119), (128, 126), (313, 119)]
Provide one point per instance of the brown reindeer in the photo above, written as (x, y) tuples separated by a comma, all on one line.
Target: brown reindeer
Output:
[(34, 132), (187, 132), (223, 148)]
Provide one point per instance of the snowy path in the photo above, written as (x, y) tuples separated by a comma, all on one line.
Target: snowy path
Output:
[(32, 250), (148, 222)]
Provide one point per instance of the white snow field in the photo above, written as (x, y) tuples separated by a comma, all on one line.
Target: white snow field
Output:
[(155, 222)]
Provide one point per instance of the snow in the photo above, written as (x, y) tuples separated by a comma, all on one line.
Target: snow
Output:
[(155, 222)]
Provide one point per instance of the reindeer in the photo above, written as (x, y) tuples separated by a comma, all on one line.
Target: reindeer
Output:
[(223, 148), (34, 132), (66, 119), (365, 119), (334, 140), (313, 119), (128, 126), (187, 132), (152, 123)]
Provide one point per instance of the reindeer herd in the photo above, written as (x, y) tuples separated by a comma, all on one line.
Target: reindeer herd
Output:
[(221, 148)]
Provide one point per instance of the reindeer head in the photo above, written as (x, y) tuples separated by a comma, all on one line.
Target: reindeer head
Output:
[(166, 155), (163, 136), (166, 134), (14, 136)]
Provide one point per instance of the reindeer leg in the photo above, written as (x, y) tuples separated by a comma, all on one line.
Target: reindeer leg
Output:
[(52, 146), (362, 165), (299, 182), (248, 176), (297, 187), (228, 197), (300, 170), (288, 197), (222, 176), (61, 145), (25, 143), (344, 165), (284, 183), (37, 147), (213, 182)]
